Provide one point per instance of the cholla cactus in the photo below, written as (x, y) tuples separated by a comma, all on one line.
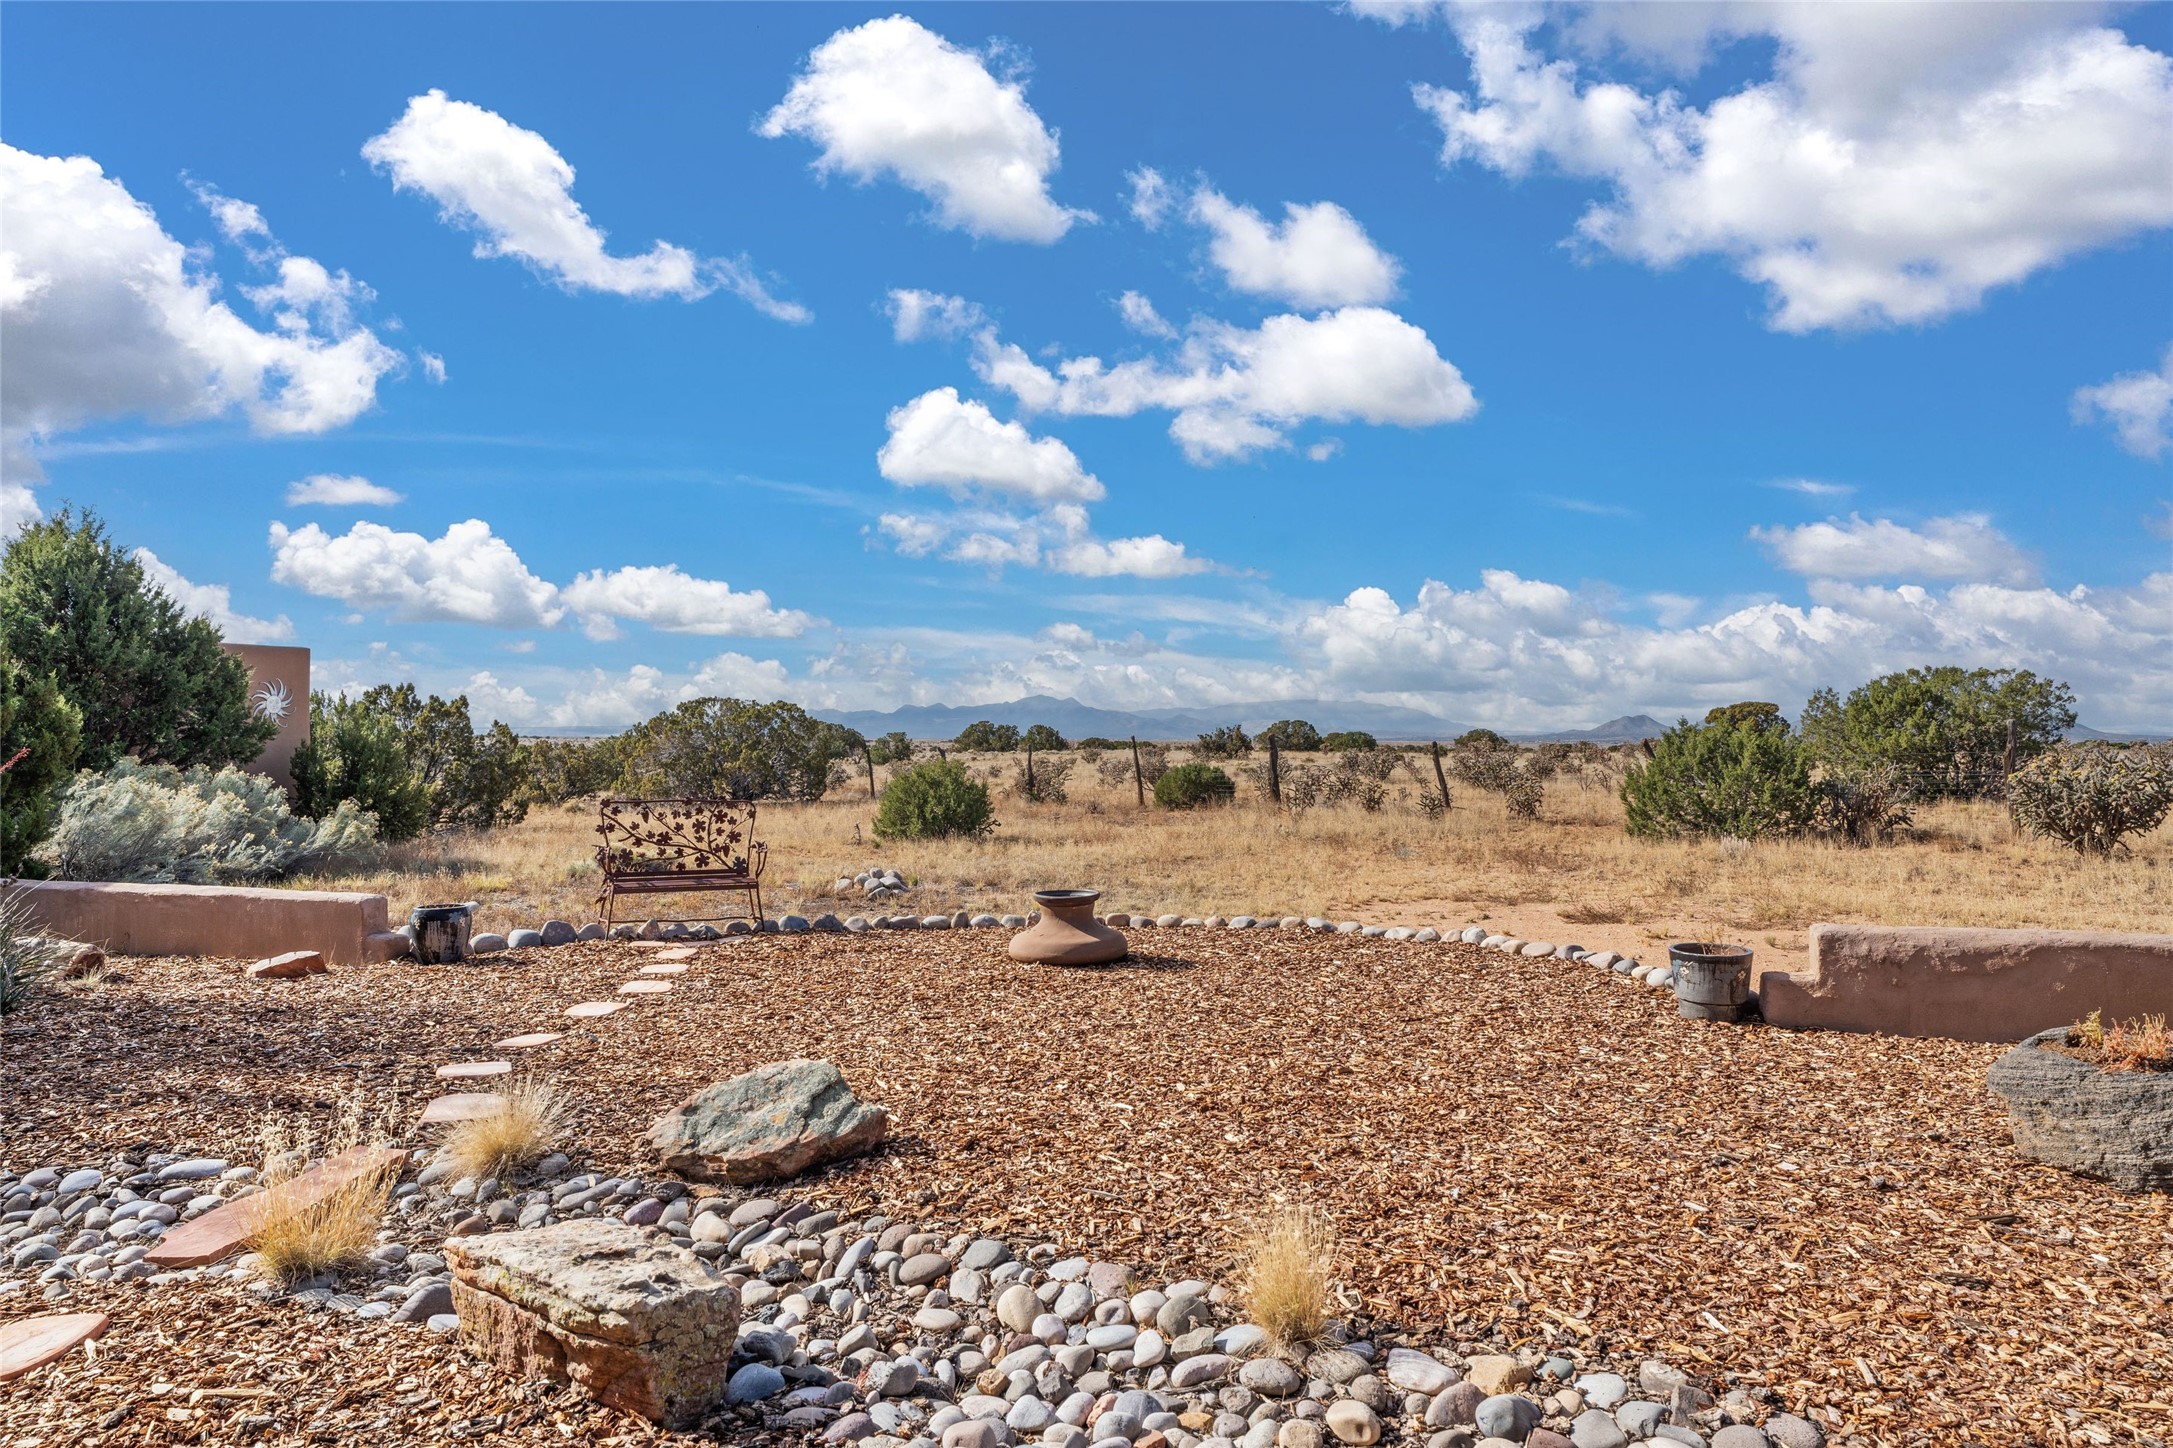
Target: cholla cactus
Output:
[(2091, 796), (157, 824)]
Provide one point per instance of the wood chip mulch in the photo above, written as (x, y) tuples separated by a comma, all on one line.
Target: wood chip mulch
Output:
[(1509, 1148)]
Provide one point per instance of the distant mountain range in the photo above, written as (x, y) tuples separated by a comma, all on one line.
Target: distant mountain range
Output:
[(1075, 720)]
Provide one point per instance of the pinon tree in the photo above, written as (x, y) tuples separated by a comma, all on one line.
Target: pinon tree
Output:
[(150, 680), (39, 735)]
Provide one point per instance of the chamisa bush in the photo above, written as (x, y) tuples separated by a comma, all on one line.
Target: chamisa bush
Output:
[(1189, 786), (1729, 779), (936, 799), (153, 823), (2090, 797)]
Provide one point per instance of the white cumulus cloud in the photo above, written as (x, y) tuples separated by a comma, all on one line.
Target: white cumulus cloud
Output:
[(107, 316), (666, 599), (469, 575), (215, 602), (336, 490), (1317, 256), (1059, 539), (1235, 390), (1900, 161), (917, 316), (515, 191), (1139, 314), (1964, 546), (892, 98), (1151, 197), (940, 440), (2139, 405)]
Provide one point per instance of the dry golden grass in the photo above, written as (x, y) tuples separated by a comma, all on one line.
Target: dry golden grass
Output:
[(1288, 1264), (1963, 864), (299, 1239), (521, 1132)]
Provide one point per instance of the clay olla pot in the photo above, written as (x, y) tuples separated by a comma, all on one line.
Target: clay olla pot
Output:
[(1067, 933)]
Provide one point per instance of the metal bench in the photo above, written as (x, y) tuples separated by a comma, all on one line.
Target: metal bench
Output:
[(678, 846)]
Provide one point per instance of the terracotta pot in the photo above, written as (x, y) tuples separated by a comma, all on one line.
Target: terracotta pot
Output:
[(1067, 933)]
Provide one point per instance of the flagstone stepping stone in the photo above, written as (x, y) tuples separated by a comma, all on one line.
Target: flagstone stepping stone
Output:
[(32, 1342), (223, 1231), (461, 1106), (645, 987), (286, 967), (533, 1038), (473, 1070), (665, 967), (590, 1010), (683, 952)]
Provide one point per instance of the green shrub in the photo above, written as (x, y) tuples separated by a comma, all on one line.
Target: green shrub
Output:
[(1288, 735), (1751, 712), (2089, 797), (1347, 739), (1742, 781), (1480, 739), (1095, 741), (896, 747), (936, 799), (1041, 738), (152, 823), (151, 680), (1188, 786), (39, 734), (733, 749), (1945, 727), (1225, 743), (356, 753), (983, 737), (560, 771)]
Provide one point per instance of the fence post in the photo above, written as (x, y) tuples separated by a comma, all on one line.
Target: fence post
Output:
[(1275, 772), (1441, 778), (1030, 793), (1139, 782), (868, 756), (2007, 760)]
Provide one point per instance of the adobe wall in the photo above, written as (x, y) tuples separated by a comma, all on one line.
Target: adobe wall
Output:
[(350, 928), (278, 691), (1968, 985)]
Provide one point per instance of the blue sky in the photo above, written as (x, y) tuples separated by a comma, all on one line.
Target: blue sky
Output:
[(1526, 366)]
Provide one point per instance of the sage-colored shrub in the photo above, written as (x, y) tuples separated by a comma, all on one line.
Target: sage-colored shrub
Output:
[(1188, 786), (155, 824), (2091, 796), (1732, 780), (936, 799)]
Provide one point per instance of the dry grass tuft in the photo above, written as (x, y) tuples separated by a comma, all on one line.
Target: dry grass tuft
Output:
[(521, 1132), (298, 1241), (1288, 1264), (1597, 912)]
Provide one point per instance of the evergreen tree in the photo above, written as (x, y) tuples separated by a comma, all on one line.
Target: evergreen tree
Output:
[(151, 681), (39, 734)]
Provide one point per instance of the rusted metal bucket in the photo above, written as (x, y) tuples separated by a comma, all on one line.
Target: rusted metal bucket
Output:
[(1712, 982)]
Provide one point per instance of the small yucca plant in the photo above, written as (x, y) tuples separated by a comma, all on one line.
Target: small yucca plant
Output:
[(24, 954)]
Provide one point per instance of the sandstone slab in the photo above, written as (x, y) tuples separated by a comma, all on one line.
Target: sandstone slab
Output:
[(31, 1342), (462, 1106), (473, 1070), (529, 1041), (289, 966), (644, 1326), (590, 1010), (223, 1231), (774, 1122)]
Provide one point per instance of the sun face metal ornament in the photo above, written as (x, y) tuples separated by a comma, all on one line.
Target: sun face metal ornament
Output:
[(272, 702)]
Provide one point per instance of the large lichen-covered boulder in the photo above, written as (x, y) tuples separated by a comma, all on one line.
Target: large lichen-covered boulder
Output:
[(645, 1326), (2068, 1113), (772, 1123)]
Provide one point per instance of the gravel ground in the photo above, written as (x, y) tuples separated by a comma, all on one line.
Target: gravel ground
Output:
[(1509, 1147)]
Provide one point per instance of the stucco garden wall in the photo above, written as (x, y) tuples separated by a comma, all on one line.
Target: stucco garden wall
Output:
[(349, 928), (1968, 985)]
